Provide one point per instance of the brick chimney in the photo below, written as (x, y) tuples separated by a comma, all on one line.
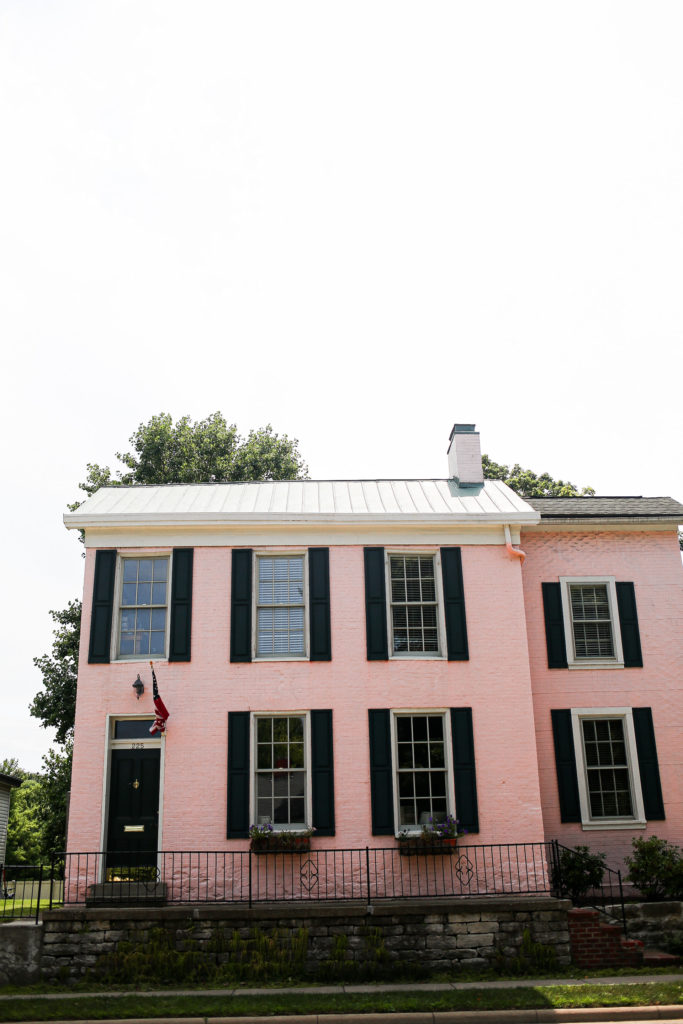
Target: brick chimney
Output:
[(464, 455)]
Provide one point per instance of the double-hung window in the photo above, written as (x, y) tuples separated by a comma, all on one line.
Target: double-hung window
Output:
[(143, 607), (607, 761), (281, 606), (281, 770), (413, 606), (421, 768), (591, 622)]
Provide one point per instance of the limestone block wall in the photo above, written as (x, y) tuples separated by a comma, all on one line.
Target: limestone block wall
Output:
[(434, 935)]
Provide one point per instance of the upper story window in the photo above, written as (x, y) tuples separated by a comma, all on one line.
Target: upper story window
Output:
[(143, 607), (280, 606), (414, 612), (591, 622)]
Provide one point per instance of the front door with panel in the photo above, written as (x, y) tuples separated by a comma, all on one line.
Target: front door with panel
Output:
[(133, 829)]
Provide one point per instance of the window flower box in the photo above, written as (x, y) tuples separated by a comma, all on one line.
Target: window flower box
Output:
[(439, 838), (266, 839)]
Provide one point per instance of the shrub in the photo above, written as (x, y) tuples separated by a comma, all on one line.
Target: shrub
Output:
[(656, 868), (577, 872)]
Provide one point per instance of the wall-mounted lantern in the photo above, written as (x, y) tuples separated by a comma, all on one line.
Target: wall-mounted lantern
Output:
[(139, 687)]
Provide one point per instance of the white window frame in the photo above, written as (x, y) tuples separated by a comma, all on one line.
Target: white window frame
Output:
[(308, 797), (294, 553), (617, 660), (435, 555), (122, 556), (444, 713), (588, 823)]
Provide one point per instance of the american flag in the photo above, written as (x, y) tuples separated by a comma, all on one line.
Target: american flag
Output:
[(159, 706)]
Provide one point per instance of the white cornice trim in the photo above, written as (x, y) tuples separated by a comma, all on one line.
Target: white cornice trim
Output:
[(162, 520)]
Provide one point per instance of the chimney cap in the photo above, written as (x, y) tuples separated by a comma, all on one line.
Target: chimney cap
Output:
[(463, 428)]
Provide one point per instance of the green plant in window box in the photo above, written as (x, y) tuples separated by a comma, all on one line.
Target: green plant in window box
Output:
[(438, 837), (267, 839)]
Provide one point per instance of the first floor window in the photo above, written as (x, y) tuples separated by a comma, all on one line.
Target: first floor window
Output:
[(281, 775), (610, 793), (414, 611), (608, 775), (280, 606), (421, 768), (143, 607)]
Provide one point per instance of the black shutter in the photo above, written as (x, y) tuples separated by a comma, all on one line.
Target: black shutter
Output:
[(466, 806), (628, 622), (319, 599), (238, 774), (454, 604), (240, 608), (565, 763), (181, 605), (381, 779), (554, 627), (648, 764), (102, 607), (322, 772), (375, 605)]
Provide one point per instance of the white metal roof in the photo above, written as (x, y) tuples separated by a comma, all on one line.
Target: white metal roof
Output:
[(302, 501)]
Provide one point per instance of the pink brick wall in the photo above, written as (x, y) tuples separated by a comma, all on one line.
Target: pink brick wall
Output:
[(495, 683), (652, 561)]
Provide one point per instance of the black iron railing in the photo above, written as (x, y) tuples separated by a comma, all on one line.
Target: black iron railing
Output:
[(368, 874), (26, 889), (250, 877), (581, 878)]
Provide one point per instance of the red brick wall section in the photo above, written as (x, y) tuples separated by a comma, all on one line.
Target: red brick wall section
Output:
[(594, 943)]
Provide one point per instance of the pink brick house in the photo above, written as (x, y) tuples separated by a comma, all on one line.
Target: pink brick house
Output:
[(360, 656)]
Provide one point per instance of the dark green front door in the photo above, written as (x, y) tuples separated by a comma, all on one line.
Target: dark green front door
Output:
[(133, 808)]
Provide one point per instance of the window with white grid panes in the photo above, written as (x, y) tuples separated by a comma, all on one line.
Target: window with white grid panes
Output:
[(281, 771), (143, 607), (591, 620), (608, 774), (421, 770), (280, 606), (414, 611)]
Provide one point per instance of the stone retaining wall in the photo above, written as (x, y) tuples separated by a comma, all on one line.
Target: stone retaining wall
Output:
[(20, 952), (430, 934), (658, 925)]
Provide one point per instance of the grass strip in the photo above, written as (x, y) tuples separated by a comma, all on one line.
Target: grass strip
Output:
[(100, 1007)]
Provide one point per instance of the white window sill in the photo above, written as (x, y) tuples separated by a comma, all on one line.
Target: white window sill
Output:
[(417, 657), (611, 826), (280, 657), (594, 664), (140, 659)]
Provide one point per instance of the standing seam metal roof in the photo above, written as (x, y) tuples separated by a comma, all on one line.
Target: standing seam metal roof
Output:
[(306, 498)]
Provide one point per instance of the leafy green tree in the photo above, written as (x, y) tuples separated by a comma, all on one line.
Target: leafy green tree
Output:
[(24, 826), (186, 452), (55, 704), (191, 453), (529, 484)]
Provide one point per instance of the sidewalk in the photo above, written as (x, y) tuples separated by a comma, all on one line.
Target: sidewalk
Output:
[(579, 1015), (445, 986)]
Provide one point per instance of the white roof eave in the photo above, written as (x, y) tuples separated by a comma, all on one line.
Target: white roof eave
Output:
[(127, 521)]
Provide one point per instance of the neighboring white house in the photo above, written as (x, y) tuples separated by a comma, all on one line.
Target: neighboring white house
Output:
[(7, 784)]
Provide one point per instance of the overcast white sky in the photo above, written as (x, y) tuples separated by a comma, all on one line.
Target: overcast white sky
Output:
[(358, 221)]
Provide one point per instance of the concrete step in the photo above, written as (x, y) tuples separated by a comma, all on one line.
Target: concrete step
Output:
[(657, 958)]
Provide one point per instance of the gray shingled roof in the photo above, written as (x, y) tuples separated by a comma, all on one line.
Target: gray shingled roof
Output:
[(608, 508), (9, 780)]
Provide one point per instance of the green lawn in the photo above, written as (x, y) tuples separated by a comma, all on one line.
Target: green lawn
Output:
[(98, 1007)]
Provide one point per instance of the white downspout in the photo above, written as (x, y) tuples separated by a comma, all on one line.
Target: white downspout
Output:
[(513, 552)]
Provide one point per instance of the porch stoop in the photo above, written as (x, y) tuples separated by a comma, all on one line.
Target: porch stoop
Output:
[(596, 944)]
